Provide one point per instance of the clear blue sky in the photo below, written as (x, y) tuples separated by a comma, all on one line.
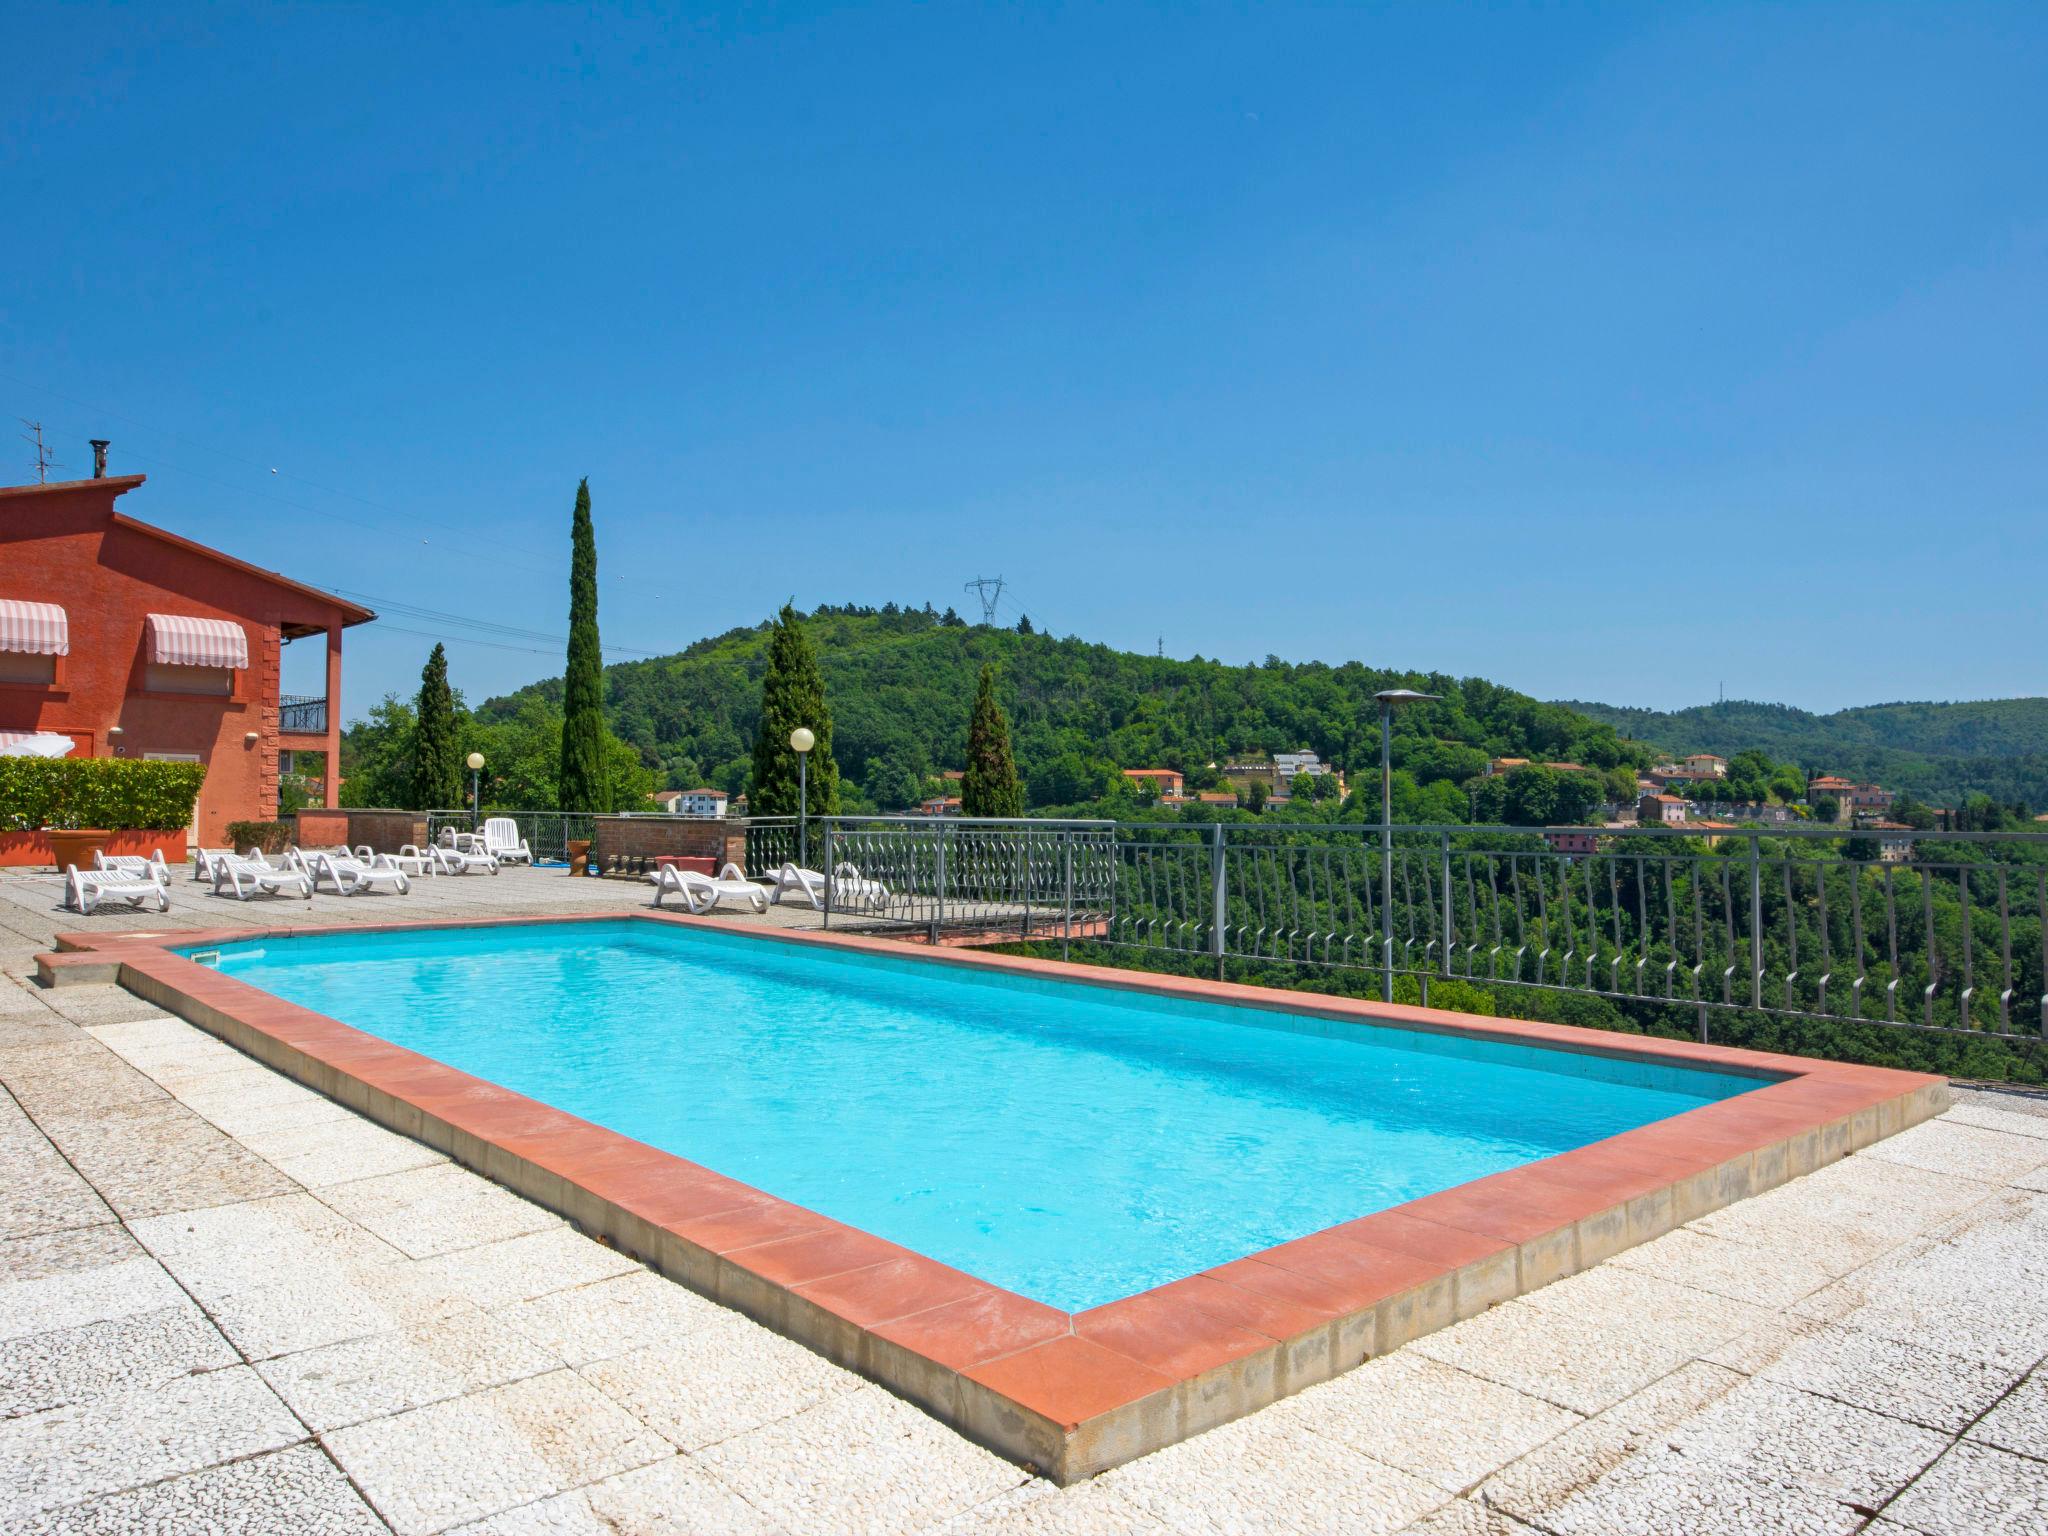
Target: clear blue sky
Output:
[(1610, 353)]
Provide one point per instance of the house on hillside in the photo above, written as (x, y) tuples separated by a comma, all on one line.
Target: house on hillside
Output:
[(136, 642), (692, 802), (939, 805), (1165, 783), (1830, 786), (1894, 842), (1660, 810), (1575, 844), (1704, 765)]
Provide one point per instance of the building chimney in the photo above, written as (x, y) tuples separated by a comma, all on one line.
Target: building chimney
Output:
[(99, 457)]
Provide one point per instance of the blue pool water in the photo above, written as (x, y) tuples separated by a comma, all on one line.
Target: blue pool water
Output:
[(1068, 1142)]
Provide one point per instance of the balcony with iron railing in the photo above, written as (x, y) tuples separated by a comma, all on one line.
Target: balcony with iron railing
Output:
[(301, 714)]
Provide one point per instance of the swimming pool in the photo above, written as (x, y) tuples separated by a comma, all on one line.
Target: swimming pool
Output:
[(1070, 1143)]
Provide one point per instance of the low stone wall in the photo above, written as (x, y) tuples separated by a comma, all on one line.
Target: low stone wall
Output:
[(629, 845), (382, 831)]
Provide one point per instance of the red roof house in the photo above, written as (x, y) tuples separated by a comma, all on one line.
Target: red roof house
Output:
[(135, 642)]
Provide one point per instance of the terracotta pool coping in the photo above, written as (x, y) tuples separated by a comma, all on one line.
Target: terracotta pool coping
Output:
[(1071, 1394)]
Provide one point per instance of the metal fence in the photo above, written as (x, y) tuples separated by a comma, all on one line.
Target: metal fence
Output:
[(1929, 930), (1808, 922), (1036, 878), (1925, 930), (547, 833)]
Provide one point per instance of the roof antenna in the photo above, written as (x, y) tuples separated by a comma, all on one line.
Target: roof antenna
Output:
[(44, 463)]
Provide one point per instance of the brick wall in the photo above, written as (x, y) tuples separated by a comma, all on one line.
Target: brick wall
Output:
[(387, 831), (705, 837), (61, 544)]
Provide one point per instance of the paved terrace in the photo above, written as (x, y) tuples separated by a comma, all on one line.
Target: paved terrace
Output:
[(228, 1304)]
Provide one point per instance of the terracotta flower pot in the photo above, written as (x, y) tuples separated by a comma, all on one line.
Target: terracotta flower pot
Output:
[(579, 855), (76, 846)]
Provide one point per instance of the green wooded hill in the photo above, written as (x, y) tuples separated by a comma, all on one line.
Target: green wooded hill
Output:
[(901, 684), (1942, 753)]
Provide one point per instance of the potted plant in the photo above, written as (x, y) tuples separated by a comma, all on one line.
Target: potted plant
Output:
[(74, 847)]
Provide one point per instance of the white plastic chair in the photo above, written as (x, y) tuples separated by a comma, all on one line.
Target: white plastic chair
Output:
[(251, 874), (85, 889), (460, 861), (701, 893), (850, 889), (352, 876), (203, 861), (151, 868), (501, 840)]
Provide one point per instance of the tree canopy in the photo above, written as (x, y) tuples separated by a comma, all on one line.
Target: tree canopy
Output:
[(792, 695), (581, 784), (990, 787), (436, 776)]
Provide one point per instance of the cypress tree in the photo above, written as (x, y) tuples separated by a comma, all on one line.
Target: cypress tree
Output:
[(990, 788), (792, 694), (582, 785), (436, 762)]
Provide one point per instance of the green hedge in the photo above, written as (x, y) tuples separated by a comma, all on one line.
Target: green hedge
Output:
[(119, 794), (264, 836)]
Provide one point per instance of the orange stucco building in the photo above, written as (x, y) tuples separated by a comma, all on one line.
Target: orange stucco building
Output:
[(135, 642)]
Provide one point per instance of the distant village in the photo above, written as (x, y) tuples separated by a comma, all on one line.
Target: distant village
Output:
[(1678, 794)]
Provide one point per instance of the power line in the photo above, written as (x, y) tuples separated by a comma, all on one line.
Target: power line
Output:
[(486, 626), (496, 645)]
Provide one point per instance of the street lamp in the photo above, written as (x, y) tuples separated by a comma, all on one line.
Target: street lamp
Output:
[(801, 740), (1390, 699), (476, 767)]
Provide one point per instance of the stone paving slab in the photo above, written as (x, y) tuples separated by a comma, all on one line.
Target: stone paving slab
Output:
[(129, 1439), (65, 1366), (1869, 1333), (297, 1491), (722, 1378), (452, 1462), (380, 1374), (675, 1495), (1976, 1490), (2019, 1423)]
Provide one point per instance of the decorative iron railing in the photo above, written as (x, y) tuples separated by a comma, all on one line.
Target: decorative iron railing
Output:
[(301, 715), (1927, 930), (1924, 930)]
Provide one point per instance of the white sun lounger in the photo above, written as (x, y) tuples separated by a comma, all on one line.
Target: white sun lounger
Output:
[(251, 874), (85, 889), (701, 893), (413, 859), (501, 840), (461, 861), (351, 876), (151, 868), (851, 890), (203, 860)]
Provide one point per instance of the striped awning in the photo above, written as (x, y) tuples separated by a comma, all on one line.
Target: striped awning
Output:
[(178, 641), (34, 744), (41, 629)]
